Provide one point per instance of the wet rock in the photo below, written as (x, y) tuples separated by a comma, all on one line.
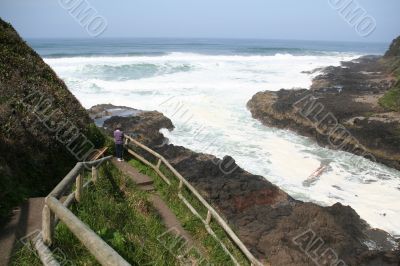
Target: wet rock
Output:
[(274, 226), (145, 126), (341, 111)]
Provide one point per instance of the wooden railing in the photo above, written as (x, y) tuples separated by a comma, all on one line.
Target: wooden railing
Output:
[(54, 211), (211, 212)]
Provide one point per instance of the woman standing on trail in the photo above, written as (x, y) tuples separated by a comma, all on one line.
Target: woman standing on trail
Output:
[(119, 143)]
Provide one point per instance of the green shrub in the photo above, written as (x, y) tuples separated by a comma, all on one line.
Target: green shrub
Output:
[(391, 99)]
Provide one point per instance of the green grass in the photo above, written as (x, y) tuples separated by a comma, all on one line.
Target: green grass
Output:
[(123, 216), (190, 222), (24, 256), (391, 99)]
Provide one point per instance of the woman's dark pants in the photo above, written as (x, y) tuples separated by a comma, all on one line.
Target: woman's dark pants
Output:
[(119, 149)]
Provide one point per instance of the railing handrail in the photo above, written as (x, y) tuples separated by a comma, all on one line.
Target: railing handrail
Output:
[(72, 174), (98, 247), (105, 254), (54, 210), (211, 210)]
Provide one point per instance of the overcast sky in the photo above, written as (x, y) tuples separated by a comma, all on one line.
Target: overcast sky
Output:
[(263, 19)]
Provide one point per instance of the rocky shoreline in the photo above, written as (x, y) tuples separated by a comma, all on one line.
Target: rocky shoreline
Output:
[(270, 222), (343, 109)]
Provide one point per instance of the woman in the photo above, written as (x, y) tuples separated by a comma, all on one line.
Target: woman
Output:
[(119, 143)]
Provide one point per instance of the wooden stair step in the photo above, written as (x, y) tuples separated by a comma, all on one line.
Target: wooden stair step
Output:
[(133, 173), (147, 188)]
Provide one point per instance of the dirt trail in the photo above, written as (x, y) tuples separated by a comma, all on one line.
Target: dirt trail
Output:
[(26, 220), (144, 182)]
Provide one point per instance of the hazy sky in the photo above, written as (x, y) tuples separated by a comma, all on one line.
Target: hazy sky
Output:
[(264, 19)]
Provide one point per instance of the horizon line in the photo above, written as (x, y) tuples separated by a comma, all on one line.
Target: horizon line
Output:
[(206, 38)]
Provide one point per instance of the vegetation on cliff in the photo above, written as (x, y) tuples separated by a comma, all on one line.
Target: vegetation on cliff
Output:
[(37, 113), (391, 99), (394, 49)]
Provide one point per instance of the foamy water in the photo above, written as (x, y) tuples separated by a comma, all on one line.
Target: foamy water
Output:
[(205, 96)]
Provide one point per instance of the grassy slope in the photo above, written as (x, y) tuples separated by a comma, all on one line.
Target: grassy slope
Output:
[(122, 215), (192, 224), (32, 160), (391, 100)]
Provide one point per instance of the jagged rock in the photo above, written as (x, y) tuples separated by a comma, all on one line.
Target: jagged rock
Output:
[(101, 112), (273, 225), (146, 124), (348, 94)]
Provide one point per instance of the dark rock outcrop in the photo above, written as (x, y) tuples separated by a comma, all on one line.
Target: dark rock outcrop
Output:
[(274, 226), (146, 124), (342, 110), (109, 110)]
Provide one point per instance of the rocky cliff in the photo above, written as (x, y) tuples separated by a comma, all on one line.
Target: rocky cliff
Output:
[(353, 107), (44, 129), (273, 225)]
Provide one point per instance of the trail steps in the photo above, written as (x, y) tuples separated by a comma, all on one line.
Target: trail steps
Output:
[(27, 218), (145, 183)]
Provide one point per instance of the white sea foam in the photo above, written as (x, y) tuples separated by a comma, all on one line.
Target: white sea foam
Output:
[(207, 103)]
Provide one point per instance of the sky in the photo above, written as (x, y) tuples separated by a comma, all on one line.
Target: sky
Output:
[(258, 19)]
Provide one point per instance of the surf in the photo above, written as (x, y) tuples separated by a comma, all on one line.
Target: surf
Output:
[(208, 93)]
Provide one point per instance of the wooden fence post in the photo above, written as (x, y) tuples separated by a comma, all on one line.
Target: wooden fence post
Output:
[(180, 185), (208, 219), (94, 174), (47, 225), (79, 185)]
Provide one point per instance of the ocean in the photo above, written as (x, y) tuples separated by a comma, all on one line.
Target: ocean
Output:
[(203, 86)]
